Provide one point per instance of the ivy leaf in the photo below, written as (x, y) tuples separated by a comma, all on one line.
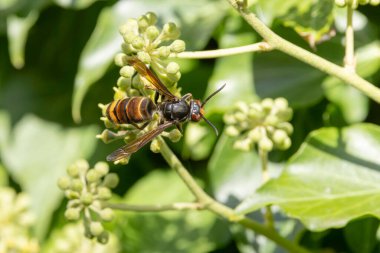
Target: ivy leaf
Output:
[(37, 154), (177, 231), (105, 41), (234, 174), (361, 235), (279, 75), (311, 19), (330, 181)]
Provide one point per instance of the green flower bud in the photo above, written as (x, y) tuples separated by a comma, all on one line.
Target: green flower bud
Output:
[(127, 47), (124, 83), (93, 176), (126, 71), (121, 59), (107, 214), (131, 26), (232, 131), (86, 198), (143, 23), (104, 193), (265, 144), (82, 165), (173, 78), (267, 104), (138, 43), (242, 106), (70, 194), (255, 134), (255, 112), (151, 17), (281, 103), (73, 171), (175, 135), (244, 145), (144, 57), (111, 180), (177, 46), (229, 118), (240, 116), (163, 51), (72, 214), (103, 238), (64, 182), (279, 136), (96, 228), (172, 68), (76, 185), (271, 120), (154, 146), (286, 126), (102, 168), (285, 144), (170, 31), (152, 33), (107, 136)]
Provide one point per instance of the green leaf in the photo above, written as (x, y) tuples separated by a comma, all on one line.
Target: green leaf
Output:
[(342, 95), (177, 231), (279, 75), (267, 13), (235, 174), (18, 29), (361, 235), (38, 154), (330, 181), (197, 20), (311, 19)]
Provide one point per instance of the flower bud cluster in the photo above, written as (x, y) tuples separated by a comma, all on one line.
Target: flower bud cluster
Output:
[(15, 223), (86, 190), (71, 239), (263, 123), (355, 3), (151, 45)]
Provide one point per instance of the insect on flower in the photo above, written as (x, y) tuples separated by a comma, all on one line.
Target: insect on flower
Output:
[(172, 110)]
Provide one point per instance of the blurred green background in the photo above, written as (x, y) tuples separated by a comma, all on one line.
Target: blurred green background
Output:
[(56, 61)]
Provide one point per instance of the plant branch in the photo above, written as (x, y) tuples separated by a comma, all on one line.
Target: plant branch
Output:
[(210, 204), (260, 46), (268, 215), (154, 208), (349, 58), (276, 42)]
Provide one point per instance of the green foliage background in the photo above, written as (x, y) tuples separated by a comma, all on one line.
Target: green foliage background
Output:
[(56, 62)]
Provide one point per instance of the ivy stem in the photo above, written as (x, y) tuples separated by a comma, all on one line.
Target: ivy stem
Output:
[(210, 204), (277, 42), (155, 208), (349, 58), (256, 47), (268, 215)]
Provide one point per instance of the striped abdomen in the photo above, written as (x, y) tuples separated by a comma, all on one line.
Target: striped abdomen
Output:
[(130, 110)]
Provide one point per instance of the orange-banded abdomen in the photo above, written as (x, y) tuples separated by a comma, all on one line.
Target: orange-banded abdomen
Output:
[(130, 110)]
